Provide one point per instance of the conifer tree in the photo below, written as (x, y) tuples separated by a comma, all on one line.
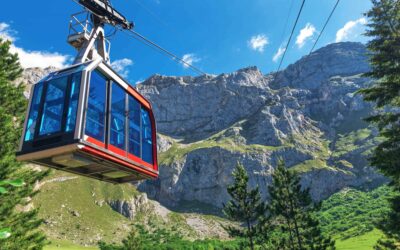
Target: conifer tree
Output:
[(294, 214), (384, 47), (22, 225), (245, 207)]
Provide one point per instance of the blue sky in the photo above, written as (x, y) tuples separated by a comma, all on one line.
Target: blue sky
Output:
[(215, 35)]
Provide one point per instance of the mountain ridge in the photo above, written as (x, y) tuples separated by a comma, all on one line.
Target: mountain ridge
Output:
[(310, 120), (215, 121)]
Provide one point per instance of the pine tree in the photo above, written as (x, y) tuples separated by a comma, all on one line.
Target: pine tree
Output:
[(23, 225), (384, 30), (245, 207), (294, 214)]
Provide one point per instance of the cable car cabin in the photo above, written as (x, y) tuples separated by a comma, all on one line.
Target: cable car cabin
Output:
[(87, 120)]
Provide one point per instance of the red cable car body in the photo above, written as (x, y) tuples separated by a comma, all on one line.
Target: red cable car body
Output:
[(88, 120)]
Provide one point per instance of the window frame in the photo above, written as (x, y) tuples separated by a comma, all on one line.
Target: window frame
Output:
[(150, 120), (106, 106), (109, 115), (61, 131), (64, 109), (33, 94), (107, 146), (140, 127)]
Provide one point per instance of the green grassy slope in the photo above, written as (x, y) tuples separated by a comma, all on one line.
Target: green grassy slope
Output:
[(66, 245), (362, 242), (351, 212), (74, 209)]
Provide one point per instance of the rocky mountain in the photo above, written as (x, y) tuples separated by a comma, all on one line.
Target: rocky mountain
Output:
[(308, 114)]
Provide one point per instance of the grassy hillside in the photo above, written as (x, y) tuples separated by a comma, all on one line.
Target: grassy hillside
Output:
[(349, 215), (361, 242), (351, 212), (74, 209), (76, 213)]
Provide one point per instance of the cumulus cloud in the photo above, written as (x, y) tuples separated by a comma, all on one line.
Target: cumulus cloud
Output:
[(351, 30), (305, 34), (190, 59), (258, 42), (5, 32), (121, 66), (278, 54), (29, 59)]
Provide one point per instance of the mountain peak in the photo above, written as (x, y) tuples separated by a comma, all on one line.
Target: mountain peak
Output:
[(336, 59)]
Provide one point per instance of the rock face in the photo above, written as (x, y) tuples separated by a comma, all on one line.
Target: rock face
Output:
[(309, 115), (198, 106), (31, 76), (131, 207)]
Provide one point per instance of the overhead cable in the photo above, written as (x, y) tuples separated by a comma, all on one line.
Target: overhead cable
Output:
[(152, 44), (291, 34), (326, 23)]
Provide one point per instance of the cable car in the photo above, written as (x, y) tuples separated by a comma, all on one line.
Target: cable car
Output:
[(88, 120)]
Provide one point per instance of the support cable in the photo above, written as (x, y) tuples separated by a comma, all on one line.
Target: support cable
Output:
[(153, 45), (326, 23), (290, 38), (287, 20)]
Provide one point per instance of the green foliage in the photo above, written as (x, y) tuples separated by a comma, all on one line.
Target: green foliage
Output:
[(293, 213), (245, 207), (361, 140), (361, 242), (310, 165), (384, 29), (155, 238), (14, 183), (142, 238), (6, 232), (390, 225), (24, 225), (177, 151), (352, 213)]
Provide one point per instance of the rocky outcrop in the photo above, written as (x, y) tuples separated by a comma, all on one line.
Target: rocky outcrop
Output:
[(195, 107), (213, 122), (130, 208), (338, 59)]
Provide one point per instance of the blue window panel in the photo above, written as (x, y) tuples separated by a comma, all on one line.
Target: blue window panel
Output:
[(73, 102), (51, 120), (118, 115), (134, 127), (147, 147), (34, 110), (95, 117)]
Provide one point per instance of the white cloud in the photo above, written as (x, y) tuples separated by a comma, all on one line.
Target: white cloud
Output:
[(190, 59), (306, 33), (5, 32), (121, 66), (278, 54), (29, 59), (42, 59), (351, 30), (139, 81), (258, 42)]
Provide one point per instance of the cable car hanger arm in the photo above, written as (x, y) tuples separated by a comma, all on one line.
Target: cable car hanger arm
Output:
[(106, 13)]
